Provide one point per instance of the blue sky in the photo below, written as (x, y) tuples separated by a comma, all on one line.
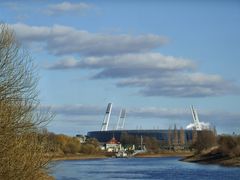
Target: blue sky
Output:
[(155, 58)]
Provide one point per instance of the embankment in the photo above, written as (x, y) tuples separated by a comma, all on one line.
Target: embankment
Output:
[(213, 158)]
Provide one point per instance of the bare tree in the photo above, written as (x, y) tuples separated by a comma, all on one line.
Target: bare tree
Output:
[(182, 137), (169, 137), (175, 138), (205, 139), (194, 136), (22, 152)]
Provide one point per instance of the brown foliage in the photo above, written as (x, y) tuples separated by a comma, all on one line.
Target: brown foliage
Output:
[(205, 139), (229, 145), (182, 137), (62, 145), (175, 135), (22, 151), (152, 144)]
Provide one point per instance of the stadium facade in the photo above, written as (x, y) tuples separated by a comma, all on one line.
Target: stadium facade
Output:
[(161, 135)]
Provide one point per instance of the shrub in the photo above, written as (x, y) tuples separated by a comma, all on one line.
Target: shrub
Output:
[(229, 145), (205, 139)]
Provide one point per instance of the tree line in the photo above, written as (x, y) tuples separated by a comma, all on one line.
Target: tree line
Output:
[(60, 145), (227, 145)]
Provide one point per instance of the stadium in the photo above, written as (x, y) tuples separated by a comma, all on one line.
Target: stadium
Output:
[(162, 135)]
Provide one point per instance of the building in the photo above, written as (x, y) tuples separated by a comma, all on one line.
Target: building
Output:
[(113, 145), (166, 137), (161, 135)]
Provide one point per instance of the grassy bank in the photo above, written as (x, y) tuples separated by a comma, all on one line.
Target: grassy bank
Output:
[(222, 150), (213, 156), (224, 161)]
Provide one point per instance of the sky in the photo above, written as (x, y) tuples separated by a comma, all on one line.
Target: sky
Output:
[(154, 58)]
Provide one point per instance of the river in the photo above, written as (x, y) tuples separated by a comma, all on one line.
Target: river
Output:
[(140, 168)]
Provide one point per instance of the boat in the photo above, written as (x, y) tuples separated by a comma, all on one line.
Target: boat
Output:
[(121, 154)]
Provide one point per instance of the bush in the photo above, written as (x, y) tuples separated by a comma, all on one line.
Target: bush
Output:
[(22, 152), (205, 140), (89, 149), (229, 145)]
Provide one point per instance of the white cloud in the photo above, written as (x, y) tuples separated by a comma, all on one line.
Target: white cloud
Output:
[(56, 9), (128, 59), (181, 84), (65, 40), (75, 110), (127, 62), (153, 74)]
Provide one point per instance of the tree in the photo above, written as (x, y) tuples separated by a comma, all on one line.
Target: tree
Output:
[(127, 139), (182, 137), (194, 136), (152, 144), (175, 137), (22, 152), (205, 139), (169, 137), (229, 145)]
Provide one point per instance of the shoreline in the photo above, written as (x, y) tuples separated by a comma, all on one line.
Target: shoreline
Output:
[(164, 154), (78, 157), (145, 155), (222, 161), (186, 157)]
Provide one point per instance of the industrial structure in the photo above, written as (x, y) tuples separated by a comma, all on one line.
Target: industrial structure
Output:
[(163, 135)]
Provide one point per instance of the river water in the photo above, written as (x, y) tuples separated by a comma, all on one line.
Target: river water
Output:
[(141, 168)]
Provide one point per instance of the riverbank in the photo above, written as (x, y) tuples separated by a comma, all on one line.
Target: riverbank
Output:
[(78, 157), (102, 156), (165, 154), (213, 158)]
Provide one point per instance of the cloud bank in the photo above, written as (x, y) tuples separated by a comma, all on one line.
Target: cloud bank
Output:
[(65, 40), (129, 60), (153, 74)]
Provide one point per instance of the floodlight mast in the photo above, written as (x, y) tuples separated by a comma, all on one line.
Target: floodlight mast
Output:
[(121, 119), (107, 117), (195, 118)]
